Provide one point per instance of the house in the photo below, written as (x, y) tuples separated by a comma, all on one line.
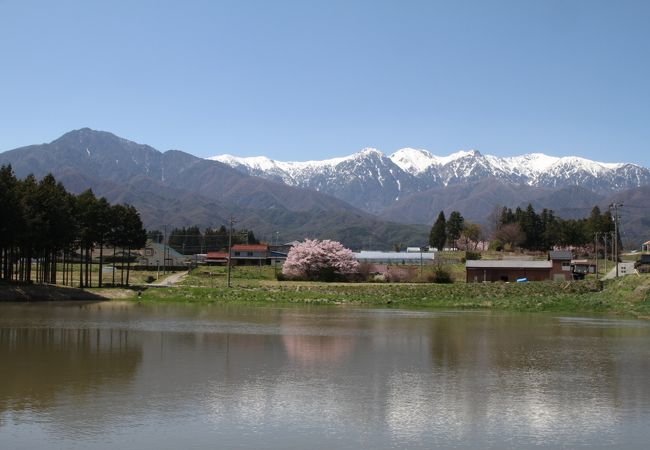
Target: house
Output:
[(255, 255), (155, 254), (216, 258), (645, 247), (558, 269)]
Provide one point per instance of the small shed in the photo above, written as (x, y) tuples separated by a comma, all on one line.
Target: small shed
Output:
[(581, 267), (643, 264), (561, 260)]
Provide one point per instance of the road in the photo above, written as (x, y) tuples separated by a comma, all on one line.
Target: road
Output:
[(170, 280)]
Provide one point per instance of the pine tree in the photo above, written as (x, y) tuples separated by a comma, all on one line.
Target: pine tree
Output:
[(455, 227), (438, 235)]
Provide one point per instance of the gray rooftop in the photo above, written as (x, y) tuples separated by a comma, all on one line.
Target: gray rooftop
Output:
[(560, 255), (397, 256), (509, 264)]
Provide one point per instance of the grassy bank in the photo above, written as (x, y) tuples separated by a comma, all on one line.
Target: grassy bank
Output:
[(252, 285), (630, 295)]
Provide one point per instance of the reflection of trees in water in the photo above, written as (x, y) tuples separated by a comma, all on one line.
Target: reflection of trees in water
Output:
[(39, 364), (303, 342), (530, 372), (327, 340), (318, 349)]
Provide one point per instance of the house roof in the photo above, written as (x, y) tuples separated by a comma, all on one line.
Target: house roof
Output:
[(217, 255), (250, 248), (171, 253), (508, 264), (397, 256), (560, 255)]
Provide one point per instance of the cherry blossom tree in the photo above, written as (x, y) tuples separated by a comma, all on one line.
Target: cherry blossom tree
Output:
[(319, 260)]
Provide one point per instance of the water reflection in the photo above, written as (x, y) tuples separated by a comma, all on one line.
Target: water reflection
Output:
[(306, 344), (113, 374)]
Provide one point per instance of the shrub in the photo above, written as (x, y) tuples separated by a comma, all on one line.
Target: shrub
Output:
[(472, 256), (496, 245), (440, 275), (150, 279), (398, 276)]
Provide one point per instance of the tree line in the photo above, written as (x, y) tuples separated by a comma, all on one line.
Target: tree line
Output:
[(526, 229), (529, 230), (455, 232), (46, 231), (190, 240)]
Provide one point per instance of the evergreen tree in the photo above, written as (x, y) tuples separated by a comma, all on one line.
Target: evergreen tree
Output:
[(42, 224), (454, 227), (438, 235), (250, 238), (135, 234)]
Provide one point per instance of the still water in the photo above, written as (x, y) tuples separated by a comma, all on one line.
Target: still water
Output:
[(123, 375)]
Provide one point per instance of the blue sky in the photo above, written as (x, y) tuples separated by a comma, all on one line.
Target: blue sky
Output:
[(298, 80)]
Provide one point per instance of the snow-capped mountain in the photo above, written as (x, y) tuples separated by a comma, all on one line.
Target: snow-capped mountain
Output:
[(372, 181)]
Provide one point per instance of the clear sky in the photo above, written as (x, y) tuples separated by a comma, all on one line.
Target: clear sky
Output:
[(297, 80)]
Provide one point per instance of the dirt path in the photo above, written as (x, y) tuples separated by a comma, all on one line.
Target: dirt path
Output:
[(170, 280)]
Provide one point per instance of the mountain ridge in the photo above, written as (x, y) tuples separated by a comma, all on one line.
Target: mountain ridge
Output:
[(367, 196), (179, 189), (373, 181)]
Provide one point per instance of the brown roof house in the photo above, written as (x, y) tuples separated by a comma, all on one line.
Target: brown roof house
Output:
[(556, 268), (216, 258)]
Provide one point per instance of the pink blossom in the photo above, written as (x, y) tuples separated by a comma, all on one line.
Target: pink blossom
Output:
[(311, 258)]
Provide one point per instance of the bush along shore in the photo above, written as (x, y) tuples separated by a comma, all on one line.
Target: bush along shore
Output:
[(630, 295)]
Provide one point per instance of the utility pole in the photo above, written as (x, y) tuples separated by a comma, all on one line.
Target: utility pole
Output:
[(596, 251), (165, 250), (232, 221), (616, 206), (421, 250), (605, 239)]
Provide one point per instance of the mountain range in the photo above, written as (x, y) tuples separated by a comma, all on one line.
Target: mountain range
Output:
[(364, 200), (177, 189), (413, 185), (372, 181)]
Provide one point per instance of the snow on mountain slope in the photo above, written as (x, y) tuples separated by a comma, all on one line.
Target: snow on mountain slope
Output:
[(371, 180)]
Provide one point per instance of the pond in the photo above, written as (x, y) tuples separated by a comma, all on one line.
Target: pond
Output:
[(128, 375)]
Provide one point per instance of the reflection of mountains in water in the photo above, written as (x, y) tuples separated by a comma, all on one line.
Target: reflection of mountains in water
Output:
[(402, 375)]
